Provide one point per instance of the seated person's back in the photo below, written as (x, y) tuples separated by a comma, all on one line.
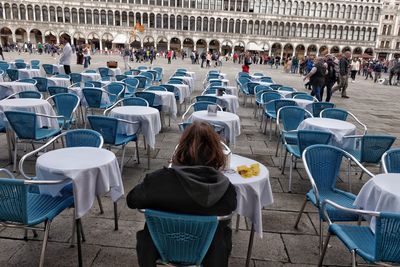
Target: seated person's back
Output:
[(195, 186)]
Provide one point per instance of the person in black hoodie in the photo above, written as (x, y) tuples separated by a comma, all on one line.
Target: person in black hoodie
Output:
[(193, 185)]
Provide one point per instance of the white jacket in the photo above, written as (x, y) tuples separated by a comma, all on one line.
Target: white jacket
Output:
[(66, 55)]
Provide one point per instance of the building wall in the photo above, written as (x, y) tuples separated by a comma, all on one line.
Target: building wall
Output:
[(281, 27), (388, 41)]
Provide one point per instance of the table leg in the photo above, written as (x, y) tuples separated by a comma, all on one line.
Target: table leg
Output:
[(78, 237), (148, 157), (9, 144), (115, 216), (250, 247)]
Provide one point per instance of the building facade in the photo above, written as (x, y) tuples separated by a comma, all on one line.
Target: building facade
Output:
[(388, 41), (277, 27)]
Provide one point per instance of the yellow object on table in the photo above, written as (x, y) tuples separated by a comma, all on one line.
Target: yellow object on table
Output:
[(247, 172)]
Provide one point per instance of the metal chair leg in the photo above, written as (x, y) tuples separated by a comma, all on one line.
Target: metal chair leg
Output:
[(148, 157), (270, 129), (15, 156), (237, 222), (290, 173), (321, 258), (284, 162), (137, 152), (122, 159), (321, 229), (72, 242), (300, 213), (277, 145), (45, 238), (353, 258), (100, 204)]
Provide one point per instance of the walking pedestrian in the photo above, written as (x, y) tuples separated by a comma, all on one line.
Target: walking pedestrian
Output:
[(377, 71), (355, 68), (66, 55), (344, 66), (330, 78), (317, 78)]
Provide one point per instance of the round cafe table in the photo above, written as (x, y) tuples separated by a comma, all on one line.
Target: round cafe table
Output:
[(252, 194), (230, 122), (380, 193), (57, 81), (87, 76), (9, 88), (167, 101), (339, 129), (28, 73), (303, 103), (40, 106), (184, 92), (58, 68), (149, 119), (93, 171), (230, 102)]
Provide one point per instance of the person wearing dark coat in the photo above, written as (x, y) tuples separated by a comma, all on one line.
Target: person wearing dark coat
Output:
[(193, 185)]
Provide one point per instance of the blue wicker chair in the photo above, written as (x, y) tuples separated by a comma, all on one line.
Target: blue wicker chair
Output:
[(391, 161)]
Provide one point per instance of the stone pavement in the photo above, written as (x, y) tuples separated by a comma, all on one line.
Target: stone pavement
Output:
[(282, 245)]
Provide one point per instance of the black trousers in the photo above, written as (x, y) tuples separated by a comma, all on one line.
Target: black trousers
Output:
[(328, 86), (353, 74), (67, 69)]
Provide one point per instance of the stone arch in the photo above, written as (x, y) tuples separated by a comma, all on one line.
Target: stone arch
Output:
[(201, 45), (79, 39), (188, 45), (276, 49), (312, 50), (300, 51), (345, 49), (21, 36), (214, 46), (239, 47), (175, 44), (288, 50), (148, 42), (106, 40), (50, 37), (323, 50), (5, 36), (94, 40), (226, 47), (369, 51), (162, 44), (335, 50), (357, 51), (35, 36)]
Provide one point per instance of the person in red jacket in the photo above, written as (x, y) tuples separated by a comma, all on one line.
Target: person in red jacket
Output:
[(193, 185)]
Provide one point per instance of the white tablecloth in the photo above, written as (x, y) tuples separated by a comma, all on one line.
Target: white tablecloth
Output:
[(381, 193), (303, 103), (57, 68), (189, 81), (252, 194), (93, 171), (12, 65), (192, 74), (339, 129), (148, 117), (90, 76), (230, 102), (230, 122), (55, 81), (115, 71), (167, 101), (28, 73), (9, 88), (30, 105), (222, 75), (1, 79), (184, 91)]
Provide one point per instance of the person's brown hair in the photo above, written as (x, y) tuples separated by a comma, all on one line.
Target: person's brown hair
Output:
[(199, 146)]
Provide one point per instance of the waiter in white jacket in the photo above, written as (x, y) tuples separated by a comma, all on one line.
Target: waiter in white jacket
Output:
[(66, 56)]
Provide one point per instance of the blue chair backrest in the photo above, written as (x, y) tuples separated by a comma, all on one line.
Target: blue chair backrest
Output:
[(19, 60), (306, 138), (387, 237), (158, 69), (317, 107), (60, 75), (181, 70), (323, 162), (275, 86), (258, 74), (4, 66), (106, 126), (65, 104), (291, 117), (260, 88), (115, 88), (142, 68), (243, 74), (266, 80), (120, 77), (216, 83), (96, 84), (48, 69), (175, 81), (53, 90), (135, 101), (202, 105), (41, 84), (374, 146), (181, 238), (303, 96), (155, 74), (32, 81), (211, 91), (35, 64), (75, 77), (92, 96), (148, 75), (156, 88), (143, 81), (23, 123), (131, 84), (243, 80), (83, 138), (12, 74), (270, 96), (29, 94), (206, 98), (104, 72), (14, 200), (392, 160), (280, 103), (179, 74), (334, 113), (148, 96), (171, 88), (251, 87), (20, 65), (135, 71)]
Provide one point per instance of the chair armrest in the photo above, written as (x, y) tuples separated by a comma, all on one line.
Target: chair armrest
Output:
[(113, 106), (45, 182), (7, 172), (339, 207), (219, 218), (22, 160), (52, 117)]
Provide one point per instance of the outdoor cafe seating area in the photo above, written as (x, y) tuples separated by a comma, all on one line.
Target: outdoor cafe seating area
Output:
[(81, 129)]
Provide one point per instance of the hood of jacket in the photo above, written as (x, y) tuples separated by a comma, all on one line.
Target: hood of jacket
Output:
[(205, 185)]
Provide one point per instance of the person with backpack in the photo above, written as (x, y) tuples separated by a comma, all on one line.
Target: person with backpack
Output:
[(330, 78), (377, 71)]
